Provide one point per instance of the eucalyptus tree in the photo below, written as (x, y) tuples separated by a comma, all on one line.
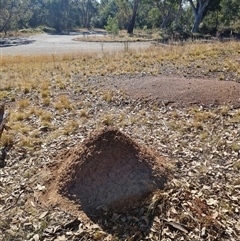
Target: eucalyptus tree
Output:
[(162, 13), (179, 12), (167, 8), (106, 8), (198, 8), (13, 13), (119, 10), (133, 17), (40, 16), (229, 16), (85, 11), (210, 17), (59, 15), (123, 14)]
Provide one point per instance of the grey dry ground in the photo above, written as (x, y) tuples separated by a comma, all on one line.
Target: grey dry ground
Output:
[(200, 203), (54, 44)]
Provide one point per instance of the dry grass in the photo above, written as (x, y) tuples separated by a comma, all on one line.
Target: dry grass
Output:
[(107, 96), (38, 76), (63, 102), (70, 127), (122, 37)]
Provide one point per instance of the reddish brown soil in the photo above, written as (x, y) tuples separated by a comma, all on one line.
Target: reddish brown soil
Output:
[(177, 91), (109, 170)]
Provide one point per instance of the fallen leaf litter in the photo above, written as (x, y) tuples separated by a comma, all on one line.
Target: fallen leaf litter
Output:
[(201, 202)]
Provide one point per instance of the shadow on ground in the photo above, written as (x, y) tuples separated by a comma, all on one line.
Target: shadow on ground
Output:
[(10, 42)]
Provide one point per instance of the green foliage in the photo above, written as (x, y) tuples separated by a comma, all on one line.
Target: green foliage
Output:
[(112, 25), (124, 13), (14, 14), (63, 15), (154, 17), (229, 16), (105, 9)]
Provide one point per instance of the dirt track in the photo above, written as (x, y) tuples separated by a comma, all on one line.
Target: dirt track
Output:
[(54, 44)]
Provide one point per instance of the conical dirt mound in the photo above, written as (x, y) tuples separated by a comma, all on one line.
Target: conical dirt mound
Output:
[(110, 170)]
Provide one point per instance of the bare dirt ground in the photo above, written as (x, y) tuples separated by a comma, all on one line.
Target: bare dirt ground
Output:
[(108, 171), (177, 91)]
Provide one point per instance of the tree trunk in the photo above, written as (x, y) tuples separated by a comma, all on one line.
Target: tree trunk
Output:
[(197, 21), (165, 20), (132, 21), (4, 27), (178, 14), (198, 13)]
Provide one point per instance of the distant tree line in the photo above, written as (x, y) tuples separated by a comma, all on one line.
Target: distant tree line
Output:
[(190, 16)]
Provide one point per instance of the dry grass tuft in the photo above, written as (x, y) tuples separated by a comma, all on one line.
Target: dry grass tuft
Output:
[(63, 102), (70, 127), (22, 104)]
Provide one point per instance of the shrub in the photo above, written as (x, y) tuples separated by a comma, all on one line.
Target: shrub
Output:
[(112, 25)]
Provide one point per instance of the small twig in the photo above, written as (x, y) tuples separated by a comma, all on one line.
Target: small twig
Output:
[(164, 106), (165, 125), (175, 225)]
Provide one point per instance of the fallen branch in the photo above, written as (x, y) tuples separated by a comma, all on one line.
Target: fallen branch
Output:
[(3, 119), (3, 126)]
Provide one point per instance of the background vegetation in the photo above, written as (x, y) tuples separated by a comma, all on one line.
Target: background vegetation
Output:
[(215, 17)]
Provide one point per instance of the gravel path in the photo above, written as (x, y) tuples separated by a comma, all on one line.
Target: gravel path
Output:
[(53, 44)]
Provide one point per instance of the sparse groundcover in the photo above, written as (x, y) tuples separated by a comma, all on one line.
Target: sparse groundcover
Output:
[(109, 38), (107, 171), (54, 102)]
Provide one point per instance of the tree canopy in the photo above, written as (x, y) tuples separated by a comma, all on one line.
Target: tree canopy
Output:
[(208, 16)]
